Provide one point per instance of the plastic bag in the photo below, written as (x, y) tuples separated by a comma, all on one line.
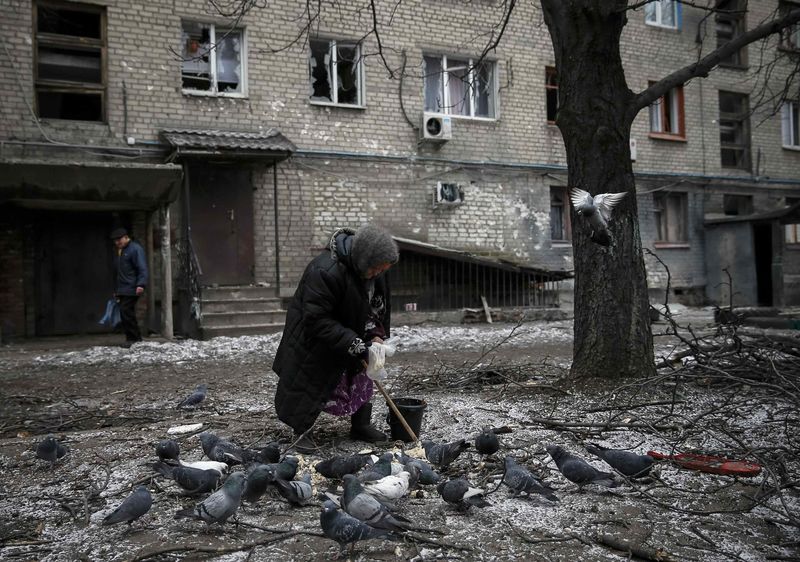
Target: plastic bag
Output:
[(112, 317), (377, 360)]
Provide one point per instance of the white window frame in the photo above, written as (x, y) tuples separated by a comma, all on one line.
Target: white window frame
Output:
[(333, 52), (212, 64), (658, 6), (790, 114), (447, 104)]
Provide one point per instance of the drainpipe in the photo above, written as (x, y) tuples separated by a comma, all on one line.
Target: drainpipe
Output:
[(277, 240)]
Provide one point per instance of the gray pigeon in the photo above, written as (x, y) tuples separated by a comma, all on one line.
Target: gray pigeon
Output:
[(337, 467), (192, 480), (219, 506), (346, 529), (259, 476), (195, 397), (381, 469), (221, 450), (460, 493), (50, 450), (520, 480), (134, 506), (296, 492), (624, 462), (286, 469), (168, 449), (442, 455), (358, 503), (596, 210), (427, 475), (577, 470), (487, 443)]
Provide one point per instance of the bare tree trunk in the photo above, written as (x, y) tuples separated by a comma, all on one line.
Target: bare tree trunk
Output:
[(612, 328)]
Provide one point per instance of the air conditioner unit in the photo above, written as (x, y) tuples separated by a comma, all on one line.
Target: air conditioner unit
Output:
[(448, 194), (436, 127)]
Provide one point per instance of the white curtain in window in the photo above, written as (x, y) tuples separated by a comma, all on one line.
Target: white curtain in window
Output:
[(458, 87), (432, 73), (229, 61)]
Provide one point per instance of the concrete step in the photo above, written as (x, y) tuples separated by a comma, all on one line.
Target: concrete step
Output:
[(237, 293), (240, 305), (242, 330), (243, 318)]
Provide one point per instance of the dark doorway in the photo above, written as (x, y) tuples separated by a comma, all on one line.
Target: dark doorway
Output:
[(762, 244), (74, 272), (221, 203)]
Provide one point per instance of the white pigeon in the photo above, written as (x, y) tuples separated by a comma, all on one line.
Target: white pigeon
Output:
[(597, 210), (389, 488), (220, 467)]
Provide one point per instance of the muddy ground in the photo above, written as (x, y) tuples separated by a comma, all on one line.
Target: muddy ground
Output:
[(110, 406)]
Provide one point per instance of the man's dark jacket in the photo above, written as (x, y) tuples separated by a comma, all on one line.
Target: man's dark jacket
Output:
[(131, 269), (328, 311)]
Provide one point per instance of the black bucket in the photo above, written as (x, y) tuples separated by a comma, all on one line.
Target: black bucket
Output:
[(412, 410)]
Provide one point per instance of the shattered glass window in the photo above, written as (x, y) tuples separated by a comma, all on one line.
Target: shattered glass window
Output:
[(335, 72), (229, 62), (484, 88), (211, 59)]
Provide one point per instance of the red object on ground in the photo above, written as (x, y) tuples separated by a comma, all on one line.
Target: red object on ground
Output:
[(708, 463)]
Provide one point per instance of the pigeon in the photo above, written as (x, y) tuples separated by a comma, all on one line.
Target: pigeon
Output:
[(624, 462), (520, 480), (193, 480), (487, 443), (220, 467), (382, 468), (195, 397), (259, 476), (219, 506), (597, 210), (286, 469), (337, 467), (356, 502), (577, 470), (296, 492), (442, 455), (168, 449), (50, 450), (221, 450), (459, 492), (427, 475), (269, 453), (134, 506), (390, 488), (346, 529)]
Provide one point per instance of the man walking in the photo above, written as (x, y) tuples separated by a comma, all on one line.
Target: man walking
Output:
[(131, 282)]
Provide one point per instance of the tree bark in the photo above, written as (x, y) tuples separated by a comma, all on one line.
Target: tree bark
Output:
[(612, 327)]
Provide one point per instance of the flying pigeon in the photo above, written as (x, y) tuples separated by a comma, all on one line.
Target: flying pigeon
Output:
[(442, 455), (296, 492), (219, 506), (356, 502), (195, 397), (337, 467), (520, 480), (487, 443), (597, 210), (168, 449), (459, 492), (133, 507), (624, 462), (50, 450), (193, 480), (346, 529), (577, 470)]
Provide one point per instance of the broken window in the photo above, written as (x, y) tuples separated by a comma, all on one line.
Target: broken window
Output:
[(790, 124), (559, 214), (70, 61), (456, 86), (671, 217), (730, 23), (212, 59), (734, 130), (737, 204), (551, 92), (335, 73), (666, 115), (663, 13)]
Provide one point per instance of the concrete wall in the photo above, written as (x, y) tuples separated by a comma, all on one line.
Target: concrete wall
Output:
[(730, 246)]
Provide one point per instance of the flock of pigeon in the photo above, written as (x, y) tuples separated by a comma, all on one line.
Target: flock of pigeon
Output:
[(371, 487)]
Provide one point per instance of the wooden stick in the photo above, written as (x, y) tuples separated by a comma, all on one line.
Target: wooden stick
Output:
[(393, 407)]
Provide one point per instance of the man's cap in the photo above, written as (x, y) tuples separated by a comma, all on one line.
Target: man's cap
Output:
[(118, 233)]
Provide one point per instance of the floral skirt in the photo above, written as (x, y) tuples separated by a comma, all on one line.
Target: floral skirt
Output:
[(352, 392)]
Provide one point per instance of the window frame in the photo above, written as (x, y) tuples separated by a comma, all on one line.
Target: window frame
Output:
[(790, 125), (660, 16), (792, 31), (446, 102), (212, 63), (739, 25), (334, 54), (744, 118), (666, 218), (550, 72), (566, 222), (71, 42), (659, 107)]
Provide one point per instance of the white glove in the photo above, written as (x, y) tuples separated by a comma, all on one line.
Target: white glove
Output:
[(377, 359)]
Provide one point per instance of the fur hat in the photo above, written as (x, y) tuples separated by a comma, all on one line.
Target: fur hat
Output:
[(373, 246)]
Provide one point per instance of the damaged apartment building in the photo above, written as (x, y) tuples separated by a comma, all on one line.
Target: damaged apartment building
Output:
[(232, 145)]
